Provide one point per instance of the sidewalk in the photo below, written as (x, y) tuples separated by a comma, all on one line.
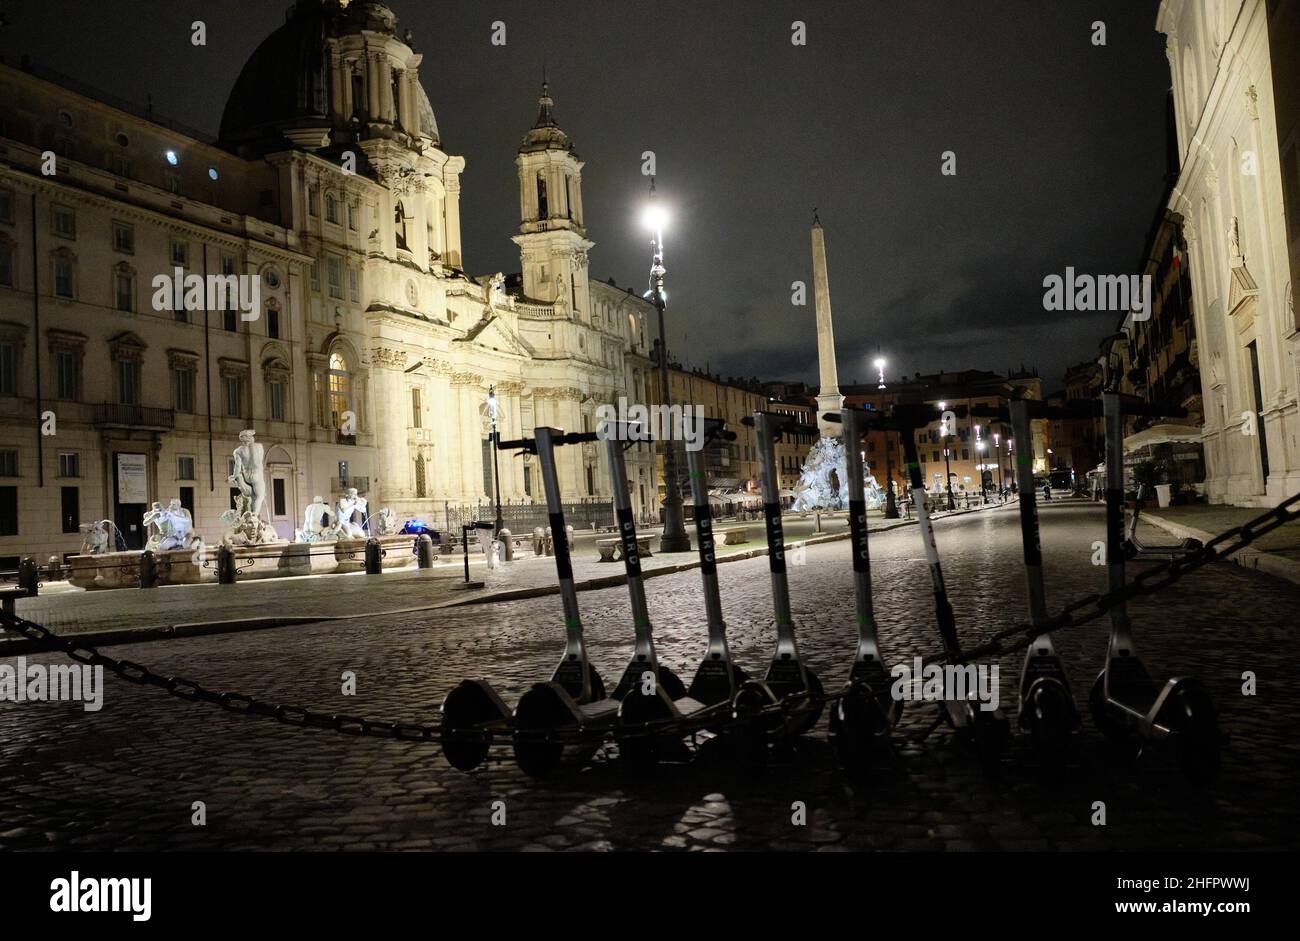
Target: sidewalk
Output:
[(1277, 553), (189, 610)]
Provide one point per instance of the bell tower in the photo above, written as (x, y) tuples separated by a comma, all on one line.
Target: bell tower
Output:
[(552, 238)]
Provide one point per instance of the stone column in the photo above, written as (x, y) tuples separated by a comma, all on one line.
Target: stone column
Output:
[(451, 210), (373, 109), (828, 396)]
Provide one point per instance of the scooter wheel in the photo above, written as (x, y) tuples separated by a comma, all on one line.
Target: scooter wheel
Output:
[(990, 734), (1049, 718), (747, 737), (538, 716), (859, 730), (813, 713), (671, 683), (597, 684), (1196, 737), (637, 745), (1115, 732)]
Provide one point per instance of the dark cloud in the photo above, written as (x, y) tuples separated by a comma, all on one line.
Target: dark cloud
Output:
[(1059, 149)]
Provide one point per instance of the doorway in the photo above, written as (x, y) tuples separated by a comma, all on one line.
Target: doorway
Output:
[(130, 496)]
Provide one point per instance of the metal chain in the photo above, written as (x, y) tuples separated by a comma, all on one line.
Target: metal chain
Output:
[(1077, 613)]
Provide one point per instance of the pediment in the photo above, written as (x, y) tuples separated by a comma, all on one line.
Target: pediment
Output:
[(1242, 287), (493, 332)]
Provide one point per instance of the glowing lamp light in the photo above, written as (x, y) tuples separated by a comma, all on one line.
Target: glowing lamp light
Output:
[(655, 217), (171, 157)]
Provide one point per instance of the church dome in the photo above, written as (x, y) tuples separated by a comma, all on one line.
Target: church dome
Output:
[(545, 133), (285, 84)]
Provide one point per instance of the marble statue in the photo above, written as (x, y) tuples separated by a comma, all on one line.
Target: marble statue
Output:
[(248, 529), (386, 522), (97, 539), (170, 528), (316, 522), (250, 472), (817, 490), (497, 289), (348, 507)]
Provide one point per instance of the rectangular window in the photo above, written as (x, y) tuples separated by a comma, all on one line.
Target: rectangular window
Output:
[(227, 263), (354, 294), (315, 276), (185, 467), (277, 401), (71, 508), (334, 274), (7, 206), (230, 320), (181, 315), (313, 194), (278, 501), (8, 511), (528, 481), (234, 398), (183, 390), (417, 413), (352, 217), (180, 253), (128, 382), (273, 323), (173, 184), (120, 166), (187, 499), (7, 265), (8, 463), (123, 291), (123, 237), (65, 222), (8, 369), (69, 464), (63, 277)]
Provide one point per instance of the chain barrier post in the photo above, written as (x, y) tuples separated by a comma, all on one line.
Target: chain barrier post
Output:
[(373, 564), (28, 576), (225, 565), (148, 570)]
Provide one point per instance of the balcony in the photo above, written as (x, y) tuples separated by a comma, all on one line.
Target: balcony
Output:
[(115, 415), (338, 485)]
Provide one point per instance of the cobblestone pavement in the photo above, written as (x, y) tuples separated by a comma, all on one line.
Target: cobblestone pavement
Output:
[(126, 777)]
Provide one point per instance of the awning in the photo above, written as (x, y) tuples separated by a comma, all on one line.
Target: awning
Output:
[(1162, 434)]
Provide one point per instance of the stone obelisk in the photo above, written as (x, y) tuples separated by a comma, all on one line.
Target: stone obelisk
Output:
[(828, 396)]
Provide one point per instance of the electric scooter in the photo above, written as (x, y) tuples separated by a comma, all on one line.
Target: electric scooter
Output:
[(1133, 547), (1126, 703), (569, 707), (787, 677), (1047, 708), (987, 730), (864, 714)]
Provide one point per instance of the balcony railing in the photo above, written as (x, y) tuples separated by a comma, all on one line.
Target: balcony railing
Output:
[(134, 416), (338, 485)]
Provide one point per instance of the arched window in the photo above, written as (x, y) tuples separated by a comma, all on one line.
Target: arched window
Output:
[(543, 208), (399, 225), (340, 389)]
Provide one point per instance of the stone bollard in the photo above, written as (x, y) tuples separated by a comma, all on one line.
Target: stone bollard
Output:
[(507, 546), (817, 522), (28, 577), (424, 551), (550, 542), (374, 553), (539, 541), (148, 570), (225, 565)]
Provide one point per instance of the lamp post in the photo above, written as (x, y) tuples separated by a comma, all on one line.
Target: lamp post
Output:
[(891, 502), (496, 466), (674, 538), (947, 459), (980, 466)]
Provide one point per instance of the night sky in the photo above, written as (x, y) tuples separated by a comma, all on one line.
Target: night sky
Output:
[(1060, 151)]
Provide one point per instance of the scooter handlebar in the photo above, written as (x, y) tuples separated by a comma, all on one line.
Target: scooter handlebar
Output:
[(785, 424), (530, 444)]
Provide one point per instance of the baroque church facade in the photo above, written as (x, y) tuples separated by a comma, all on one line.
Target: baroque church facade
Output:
[(368, 361)]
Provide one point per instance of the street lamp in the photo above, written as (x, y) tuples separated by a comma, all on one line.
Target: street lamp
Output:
[(997, 453), (674, 538), (891, 502), (496, 466), (947, 465)]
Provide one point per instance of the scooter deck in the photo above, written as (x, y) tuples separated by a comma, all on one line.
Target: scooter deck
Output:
[(1129, 683)]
